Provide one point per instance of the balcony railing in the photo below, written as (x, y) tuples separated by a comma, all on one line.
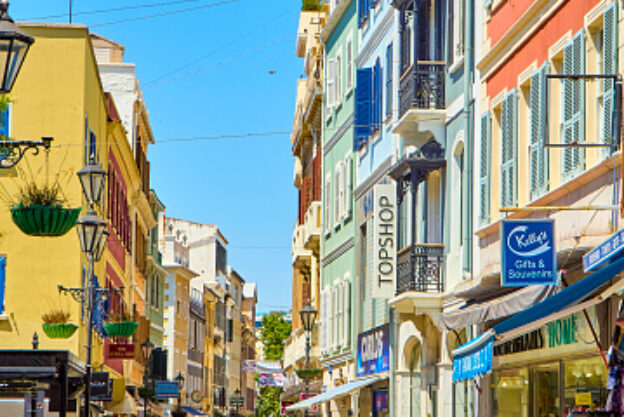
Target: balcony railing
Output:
[(422, 86), (423, 273)]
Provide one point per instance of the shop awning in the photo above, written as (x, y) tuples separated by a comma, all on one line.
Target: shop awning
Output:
[(333, 393), (125, 407), (193, 411), (475, 357), (496, 308)]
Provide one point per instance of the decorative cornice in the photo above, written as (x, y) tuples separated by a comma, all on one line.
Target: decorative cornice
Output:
[(340, 250), (334, 19), (367, 50), (339, 134)]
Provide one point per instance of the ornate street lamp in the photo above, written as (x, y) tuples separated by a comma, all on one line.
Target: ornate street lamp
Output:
[(90, 230), (92, 178), (14, 45), (146, 348), (308, 316), (180, 381), (99, 251)]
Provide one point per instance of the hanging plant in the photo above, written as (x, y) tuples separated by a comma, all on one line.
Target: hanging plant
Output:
[(310, 373), (56, 324), (120, 325), (40, 212)]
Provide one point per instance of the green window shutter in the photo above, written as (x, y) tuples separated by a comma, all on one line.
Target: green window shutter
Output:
[(574, 106), (509, 142), (609, 59), (484, 168), (538, 153)]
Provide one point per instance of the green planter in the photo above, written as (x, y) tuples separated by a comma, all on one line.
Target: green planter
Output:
[(308, 373), (39, 220), (59, 331), (123, 329)]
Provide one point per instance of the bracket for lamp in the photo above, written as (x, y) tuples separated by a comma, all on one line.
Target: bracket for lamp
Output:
[(78, 293), (12, 151)]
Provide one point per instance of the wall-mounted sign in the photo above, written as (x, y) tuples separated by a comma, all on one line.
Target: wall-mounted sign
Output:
[(528, 252), (373, 355), (121, 351), (605, 252), (475, 362), (384, 241), (166, 389), (101, 386), (196, 396), (381, 401)]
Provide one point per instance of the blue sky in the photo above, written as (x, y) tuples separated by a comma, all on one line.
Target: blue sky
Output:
[(244, 185)]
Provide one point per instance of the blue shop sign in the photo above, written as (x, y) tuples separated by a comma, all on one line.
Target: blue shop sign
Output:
[(474, 362), (528, 252), (605, 252), (373, 355), (166, 389)]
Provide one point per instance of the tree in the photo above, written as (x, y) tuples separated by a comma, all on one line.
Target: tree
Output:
[(275, 330)]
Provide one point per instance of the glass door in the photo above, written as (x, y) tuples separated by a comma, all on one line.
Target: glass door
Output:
[(546, 390)]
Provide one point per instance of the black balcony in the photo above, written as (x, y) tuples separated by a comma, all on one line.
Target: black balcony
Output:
[(422, 87), (420, 270)]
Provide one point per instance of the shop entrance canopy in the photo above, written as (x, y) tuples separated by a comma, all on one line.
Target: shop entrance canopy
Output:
[(475, 357), (333, 393)]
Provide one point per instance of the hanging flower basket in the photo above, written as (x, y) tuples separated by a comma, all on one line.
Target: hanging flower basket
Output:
[(121, 329), (37, 220), (59, 330), (308, 373)]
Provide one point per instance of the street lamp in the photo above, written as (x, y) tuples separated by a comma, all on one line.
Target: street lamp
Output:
[(14, 44), (308, 316), (92, 178), (180, 380), (237, 397), (146, 348)]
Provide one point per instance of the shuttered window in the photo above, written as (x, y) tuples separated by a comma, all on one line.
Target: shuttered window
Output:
[(337, 192), (538, 153), (484, 169), (363, 11), (338, 75), (348, 164), (389, 68), (331, 84), (5, 122), (347, 312), (332, 318), (327, 203), (509, 130), (339, 313), (363, 110), (573, 106), (349, 64), (609, 59), (377, 96), (324, 320)]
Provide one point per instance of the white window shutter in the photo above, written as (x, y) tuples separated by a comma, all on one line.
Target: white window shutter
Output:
[(324, 320), (331, 83), (349, 186), (327, 203), (609, 59), (337, 187), (346, 302)]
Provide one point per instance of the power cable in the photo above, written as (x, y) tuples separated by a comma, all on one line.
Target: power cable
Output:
[(117, 9), (214, 51), (225, 61), (168, 13)]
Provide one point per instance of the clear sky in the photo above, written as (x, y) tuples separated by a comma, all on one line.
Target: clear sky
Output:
[(225, 52)]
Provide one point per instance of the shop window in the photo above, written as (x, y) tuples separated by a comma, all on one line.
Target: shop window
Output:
[(546, 379), (511, 393), (585, 376)]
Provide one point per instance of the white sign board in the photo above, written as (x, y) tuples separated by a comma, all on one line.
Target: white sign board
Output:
[(384, 241)]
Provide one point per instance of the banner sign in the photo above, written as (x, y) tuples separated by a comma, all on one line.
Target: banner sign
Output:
[(266, 367), (384, 241), (373, 355), (476, 362), (528, 252), (121, 351), (166, 389), (101, 386), (604, 252), (381, 401), (272, 379)]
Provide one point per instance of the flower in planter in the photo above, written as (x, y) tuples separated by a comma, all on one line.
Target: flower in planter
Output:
[(120, 324), (56, 324)]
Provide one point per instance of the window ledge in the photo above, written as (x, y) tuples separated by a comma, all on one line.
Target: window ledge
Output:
[(457, 64), (4, 317)]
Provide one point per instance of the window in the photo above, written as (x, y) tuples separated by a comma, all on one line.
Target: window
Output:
[(348, 179), (484, 169), (2, 281), (327, 202), (324, 320), (339, 313), (363, 106), (608, 59), (349, 64), (364, 7), (509, 150), (344, 192), (331, 85), (337, 193), (456, 31), (573, 106), (5, 122), (338, 82), (389, 68), (346, 305), (377, 96), (538, 155)]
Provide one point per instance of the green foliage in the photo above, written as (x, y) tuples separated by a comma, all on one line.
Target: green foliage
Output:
[(274, 331), (269, 402), (46, 195), (312, 5)]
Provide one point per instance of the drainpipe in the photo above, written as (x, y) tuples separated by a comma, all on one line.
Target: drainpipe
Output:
[(391, 387), (468, 154)]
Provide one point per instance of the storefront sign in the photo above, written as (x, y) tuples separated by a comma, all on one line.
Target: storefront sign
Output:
[(528, 252), (529, 341), (562, 331), (604, 252), (166, 389), (582, 398), (373, 354), (381, 401), (384, 241), (477, 362), (121, 351), (101, 386)]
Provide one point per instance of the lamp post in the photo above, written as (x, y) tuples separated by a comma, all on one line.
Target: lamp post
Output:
[(180, 380), (308, 316), (92, 235), (147, 348)]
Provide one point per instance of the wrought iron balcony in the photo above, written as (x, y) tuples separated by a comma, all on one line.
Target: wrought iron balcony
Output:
[(422, 87), (423, 272)]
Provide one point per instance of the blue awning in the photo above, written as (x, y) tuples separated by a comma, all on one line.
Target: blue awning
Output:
[(475, 357), (333, 393), (193, 411)]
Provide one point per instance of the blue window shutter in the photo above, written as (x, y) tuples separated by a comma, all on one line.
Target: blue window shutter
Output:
[(376, 96), (538, 154), (484, 169), (5, 121), (361, 12), (573, 106), (509, 150), (363, 98), (2, 281), (389, 68), (609, 60)]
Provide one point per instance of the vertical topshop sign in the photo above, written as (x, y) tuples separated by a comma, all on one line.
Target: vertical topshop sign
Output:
[(384, 241)]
